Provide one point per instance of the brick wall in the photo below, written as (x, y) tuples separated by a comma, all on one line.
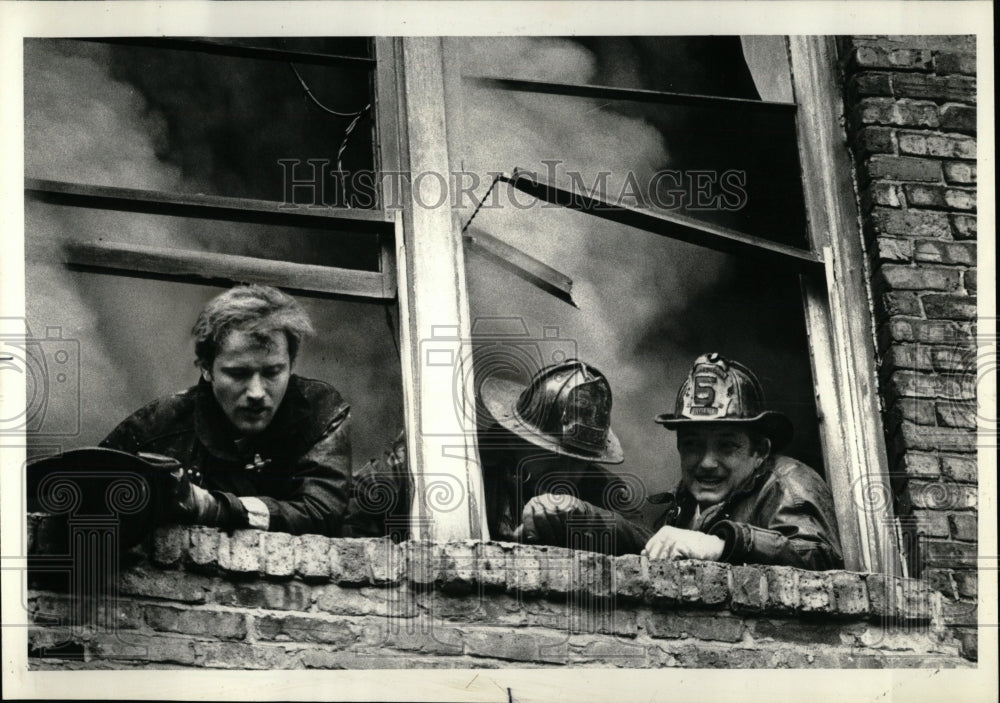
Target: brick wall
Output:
[(261, 600), (258, 600), (911, 122)]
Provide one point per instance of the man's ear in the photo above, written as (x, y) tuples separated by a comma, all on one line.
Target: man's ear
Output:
[(206, 374), (765, 449)]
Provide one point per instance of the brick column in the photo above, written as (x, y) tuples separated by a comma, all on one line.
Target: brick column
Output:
[(911, 109)]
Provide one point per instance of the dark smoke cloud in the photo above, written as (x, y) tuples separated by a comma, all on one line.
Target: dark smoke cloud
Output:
[(92, 116), (648, 305)]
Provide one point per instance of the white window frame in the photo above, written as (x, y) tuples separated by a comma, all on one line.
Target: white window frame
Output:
[(434, 305), (439, 409), (839, 318)]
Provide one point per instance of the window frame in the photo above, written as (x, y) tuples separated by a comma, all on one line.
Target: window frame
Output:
[(422, 267), (839, 320), (837, 310), (193, 266), (448, 497)]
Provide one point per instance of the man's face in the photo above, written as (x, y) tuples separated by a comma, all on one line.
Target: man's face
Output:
[(249, 377), (715, 460)]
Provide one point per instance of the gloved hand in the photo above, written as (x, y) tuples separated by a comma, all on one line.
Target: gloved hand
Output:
[(676, 543), (545, 518), (397, 457), (192, 504)]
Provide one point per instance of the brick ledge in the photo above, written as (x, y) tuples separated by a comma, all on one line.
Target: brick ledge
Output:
[(537, 571)]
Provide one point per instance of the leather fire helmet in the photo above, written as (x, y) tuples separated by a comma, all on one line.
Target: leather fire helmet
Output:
[(722, 390), (565, 408)]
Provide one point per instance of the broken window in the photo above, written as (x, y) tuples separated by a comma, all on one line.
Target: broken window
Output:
[(655, 183), (549, 163), (158, 170)]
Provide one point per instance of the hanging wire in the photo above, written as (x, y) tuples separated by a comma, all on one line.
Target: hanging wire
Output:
[(320, 105), (475, 212), (347, 136), (390, 323), (350, 127)]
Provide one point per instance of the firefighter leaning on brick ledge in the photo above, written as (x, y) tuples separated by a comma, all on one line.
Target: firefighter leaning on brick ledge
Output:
[(541, 447), (738, 500), (251, 445)]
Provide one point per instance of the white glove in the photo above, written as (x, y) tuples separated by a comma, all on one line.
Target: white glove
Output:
[(676, 543)]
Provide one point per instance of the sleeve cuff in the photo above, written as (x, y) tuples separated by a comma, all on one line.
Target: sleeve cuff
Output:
[(258, 515), (232, 515), (735, 549)]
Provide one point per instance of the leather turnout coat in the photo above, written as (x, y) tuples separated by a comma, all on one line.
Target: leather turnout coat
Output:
[(782, 515), (299, 467), (607, 521)]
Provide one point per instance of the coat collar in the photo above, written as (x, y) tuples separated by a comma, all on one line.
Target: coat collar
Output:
[(684, 502), (215, 432)]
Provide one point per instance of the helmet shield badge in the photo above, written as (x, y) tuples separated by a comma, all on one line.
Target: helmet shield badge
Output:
[(721, 390), (717, 389), (566, 409), (587, 416)]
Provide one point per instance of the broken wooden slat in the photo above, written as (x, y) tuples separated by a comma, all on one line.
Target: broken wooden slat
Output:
[(603, 92), (208, 46), (214, 207), (521, 264), (673, 225), (188, 266)]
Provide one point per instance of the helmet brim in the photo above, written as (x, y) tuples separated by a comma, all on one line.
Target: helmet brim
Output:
[(499, 396), (773, 425), (94, 473)]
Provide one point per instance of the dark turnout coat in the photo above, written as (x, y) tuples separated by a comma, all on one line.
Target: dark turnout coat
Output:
[(782, 515), (300, 466), (607, 521)]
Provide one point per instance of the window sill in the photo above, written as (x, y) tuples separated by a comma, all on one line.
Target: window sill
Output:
[(528, 570)]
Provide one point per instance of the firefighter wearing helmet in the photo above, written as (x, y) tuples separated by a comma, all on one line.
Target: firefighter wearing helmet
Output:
[(541, 456), (541, 447), (739, 500)]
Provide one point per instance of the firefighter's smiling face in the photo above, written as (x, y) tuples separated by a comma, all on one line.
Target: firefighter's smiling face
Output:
[(716, 459), (249, 377)]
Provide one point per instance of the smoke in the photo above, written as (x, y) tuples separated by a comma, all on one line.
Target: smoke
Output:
[(186, 122), (89, 120), (82, 126), (624, 281)]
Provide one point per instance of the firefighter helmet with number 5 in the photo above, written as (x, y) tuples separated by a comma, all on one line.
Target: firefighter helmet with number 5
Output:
[(565, 408), (721, 390)]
